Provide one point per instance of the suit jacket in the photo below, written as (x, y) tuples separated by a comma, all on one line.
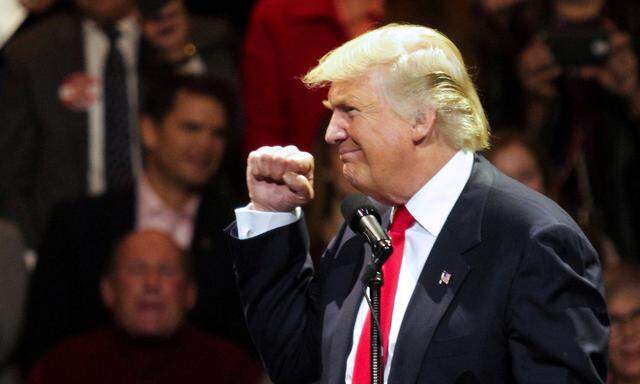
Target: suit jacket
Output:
[(524, 302), (43, 144), (64, 297)]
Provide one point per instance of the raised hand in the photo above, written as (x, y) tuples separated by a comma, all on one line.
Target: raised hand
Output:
[(537, 69), (620, 73), (279, 179)]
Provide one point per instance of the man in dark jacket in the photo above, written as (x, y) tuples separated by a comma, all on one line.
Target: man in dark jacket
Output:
[(184, 131)]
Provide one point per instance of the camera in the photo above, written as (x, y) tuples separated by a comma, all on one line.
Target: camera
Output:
[(576, 45)]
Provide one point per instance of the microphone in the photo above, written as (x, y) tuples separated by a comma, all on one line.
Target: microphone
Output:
[(363, 218)]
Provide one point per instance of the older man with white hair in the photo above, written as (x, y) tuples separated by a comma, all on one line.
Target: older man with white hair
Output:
[(488, 281)]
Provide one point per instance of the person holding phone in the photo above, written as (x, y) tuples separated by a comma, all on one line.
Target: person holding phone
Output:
[(579, 76)]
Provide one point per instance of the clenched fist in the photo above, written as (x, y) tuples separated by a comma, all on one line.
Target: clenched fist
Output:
[(279, 178)]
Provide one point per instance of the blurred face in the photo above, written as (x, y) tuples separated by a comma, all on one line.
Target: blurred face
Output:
[(516, 161), (105, 11), (186, 148), (149, 292), (624, 344), (359, 16), (373, 142), (577, 11)]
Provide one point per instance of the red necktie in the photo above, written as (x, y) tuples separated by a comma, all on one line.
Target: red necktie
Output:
[(402, 220)]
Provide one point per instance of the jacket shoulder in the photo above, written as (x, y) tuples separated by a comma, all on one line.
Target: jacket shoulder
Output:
[(40, 39)]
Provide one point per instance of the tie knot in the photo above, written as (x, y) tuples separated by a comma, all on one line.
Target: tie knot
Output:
[(112, 32), (402, 220)]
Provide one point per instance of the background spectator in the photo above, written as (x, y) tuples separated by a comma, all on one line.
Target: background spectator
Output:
[(623, 301), (284, 40), (518, 159), (148, 290), (69, 102), (184, 130), (584, 112)]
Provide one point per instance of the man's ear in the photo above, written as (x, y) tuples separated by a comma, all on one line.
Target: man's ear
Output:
[(107, 292), (148, 132), (424, 125)]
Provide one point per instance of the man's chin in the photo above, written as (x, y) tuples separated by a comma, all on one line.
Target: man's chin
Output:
[(151, 330), (195, 183), (359, 183)]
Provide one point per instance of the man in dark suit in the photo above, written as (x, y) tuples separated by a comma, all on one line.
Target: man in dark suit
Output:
[(488, 282), (55, 122), (184, 131)]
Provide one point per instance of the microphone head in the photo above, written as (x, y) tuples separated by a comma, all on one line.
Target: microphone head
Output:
[(356, 206)]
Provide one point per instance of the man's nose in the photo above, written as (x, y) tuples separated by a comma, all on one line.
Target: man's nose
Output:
[(152, 280), (336, 131)]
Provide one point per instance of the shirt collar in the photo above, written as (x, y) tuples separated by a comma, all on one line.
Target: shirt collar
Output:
[(152, 203), (127, 26), (431, 205)]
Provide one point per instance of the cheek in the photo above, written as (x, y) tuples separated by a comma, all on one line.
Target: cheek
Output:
[(130, 284), (388, 159), (217, 150), (168, 150), (174, 289)]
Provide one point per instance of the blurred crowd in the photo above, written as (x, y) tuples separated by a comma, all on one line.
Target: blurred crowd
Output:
[(124, 125)]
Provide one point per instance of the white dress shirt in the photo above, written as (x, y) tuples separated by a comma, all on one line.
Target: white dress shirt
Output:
[(154, 213), (96, 48), (430, 206)]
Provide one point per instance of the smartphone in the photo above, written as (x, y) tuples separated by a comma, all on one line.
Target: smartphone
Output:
[(574, 46), (151, 9)]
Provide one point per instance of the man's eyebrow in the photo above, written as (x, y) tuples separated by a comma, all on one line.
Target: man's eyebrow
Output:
[(338, 103)]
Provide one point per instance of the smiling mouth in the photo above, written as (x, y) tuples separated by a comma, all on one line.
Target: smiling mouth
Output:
[(150, 306), (346, 152)]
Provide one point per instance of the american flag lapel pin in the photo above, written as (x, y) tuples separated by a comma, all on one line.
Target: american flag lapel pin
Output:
[(445, 277)]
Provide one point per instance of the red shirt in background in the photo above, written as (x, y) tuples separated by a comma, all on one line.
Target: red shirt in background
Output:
[(285, 39), (109, 356)]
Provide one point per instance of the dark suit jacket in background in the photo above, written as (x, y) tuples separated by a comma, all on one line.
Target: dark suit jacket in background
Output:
[(43, 144), (524, 303), (64, 297)]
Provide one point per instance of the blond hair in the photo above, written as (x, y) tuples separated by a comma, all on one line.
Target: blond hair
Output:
[(423, 68)]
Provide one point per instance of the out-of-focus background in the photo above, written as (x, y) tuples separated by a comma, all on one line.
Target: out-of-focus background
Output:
[(125, 124)]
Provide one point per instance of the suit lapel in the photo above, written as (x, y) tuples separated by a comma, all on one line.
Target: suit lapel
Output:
[(430, 299), (339, 334), (70, 40), (122, 209), (342, 338), (340, 314), (214, 213)]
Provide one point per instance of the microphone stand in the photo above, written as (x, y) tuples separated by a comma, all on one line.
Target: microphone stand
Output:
[(381, 252)]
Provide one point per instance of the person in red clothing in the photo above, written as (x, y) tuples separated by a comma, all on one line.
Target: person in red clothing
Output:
[(284, 40), (149, 291)]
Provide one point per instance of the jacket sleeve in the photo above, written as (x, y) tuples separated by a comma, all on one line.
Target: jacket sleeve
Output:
[(50, 300), (557, 321), (18, 143), (281, 301)]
